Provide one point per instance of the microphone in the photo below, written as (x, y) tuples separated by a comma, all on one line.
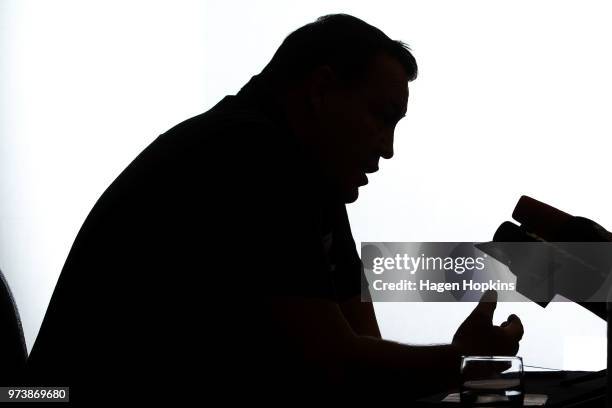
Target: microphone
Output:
[(553, 225), (560, 265)]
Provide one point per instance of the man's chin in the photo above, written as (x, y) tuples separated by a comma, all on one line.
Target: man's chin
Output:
[(346, 192), (350, 195)]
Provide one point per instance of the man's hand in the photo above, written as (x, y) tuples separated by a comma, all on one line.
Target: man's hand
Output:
[(478, 336)]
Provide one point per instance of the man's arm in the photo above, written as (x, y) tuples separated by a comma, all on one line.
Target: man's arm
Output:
[(360, 316), (331, 344)]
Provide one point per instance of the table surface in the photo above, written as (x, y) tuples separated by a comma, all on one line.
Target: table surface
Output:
[(582, 394)]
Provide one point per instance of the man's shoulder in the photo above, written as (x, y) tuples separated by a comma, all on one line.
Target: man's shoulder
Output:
[(234, 152), (232, 114)]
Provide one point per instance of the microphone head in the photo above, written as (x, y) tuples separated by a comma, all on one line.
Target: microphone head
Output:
[(539, 218), (510, 232)]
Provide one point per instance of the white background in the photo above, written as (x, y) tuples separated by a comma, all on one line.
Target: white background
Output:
[(513, 98)]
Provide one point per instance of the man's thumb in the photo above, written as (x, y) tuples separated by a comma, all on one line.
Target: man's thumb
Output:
[(486, 306)]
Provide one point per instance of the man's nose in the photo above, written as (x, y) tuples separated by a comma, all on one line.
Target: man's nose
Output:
[(386, 151)]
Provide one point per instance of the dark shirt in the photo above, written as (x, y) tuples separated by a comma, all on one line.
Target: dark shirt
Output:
[(167, 280), (13, 351)]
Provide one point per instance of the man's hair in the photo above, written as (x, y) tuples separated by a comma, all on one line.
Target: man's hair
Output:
[(344, 43)]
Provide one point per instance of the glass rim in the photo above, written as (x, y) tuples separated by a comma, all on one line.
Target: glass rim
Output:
[(491, 358)]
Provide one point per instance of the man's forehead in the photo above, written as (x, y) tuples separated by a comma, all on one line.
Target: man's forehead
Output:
[(387, 79)]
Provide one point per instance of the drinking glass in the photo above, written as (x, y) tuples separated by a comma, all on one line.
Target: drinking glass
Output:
[(491, 381)]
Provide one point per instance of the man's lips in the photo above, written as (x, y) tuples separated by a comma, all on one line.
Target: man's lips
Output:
[(370, 164), (363, 179), (367, 168)]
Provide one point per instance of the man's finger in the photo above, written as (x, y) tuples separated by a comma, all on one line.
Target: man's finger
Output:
[(513, 327), (508, 320), (486, 306)]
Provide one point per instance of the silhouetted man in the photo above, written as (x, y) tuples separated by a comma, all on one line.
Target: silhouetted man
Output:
[(222, 257)]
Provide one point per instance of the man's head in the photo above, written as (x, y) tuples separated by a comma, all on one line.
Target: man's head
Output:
[(346, 84)]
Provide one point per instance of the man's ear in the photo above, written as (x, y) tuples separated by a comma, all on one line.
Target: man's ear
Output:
[(321, 83)]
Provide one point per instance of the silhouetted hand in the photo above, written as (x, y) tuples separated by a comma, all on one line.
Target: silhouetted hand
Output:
[(478, 336)]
